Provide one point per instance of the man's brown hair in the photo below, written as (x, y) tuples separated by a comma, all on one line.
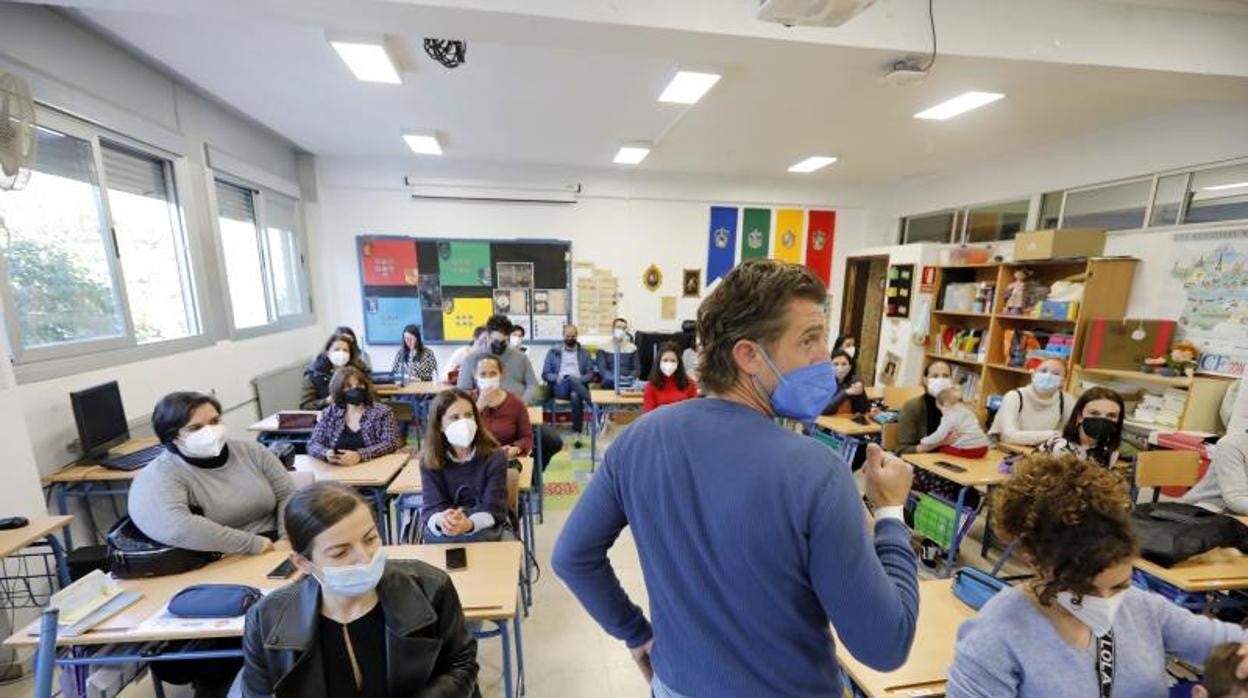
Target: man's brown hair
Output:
[(750, 303)]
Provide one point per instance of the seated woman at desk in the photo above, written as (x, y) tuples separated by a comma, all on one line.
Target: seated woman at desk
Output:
[(340, 351), (1224, 487), (920, 416), (463, 475), (365, 359), (357, 624), (1094, 429), (355, 427), (1034, 413), (414, 360), (206, 493), (1056, 634), (851, 397), (505, 417), (668, 382)]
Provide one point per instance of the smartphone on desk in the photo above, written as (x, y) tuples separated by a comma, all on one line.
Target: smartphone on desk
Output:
[(282, 571), (456, 558), (951, 466)]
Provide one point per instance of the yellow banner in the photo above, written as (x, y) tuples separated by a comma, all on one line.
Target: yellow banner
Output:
[(790, 235), (460, 316)]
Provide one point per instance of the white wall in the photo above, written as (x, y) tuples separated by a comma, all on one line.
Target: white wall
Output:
[(623, 223), (76, 71)]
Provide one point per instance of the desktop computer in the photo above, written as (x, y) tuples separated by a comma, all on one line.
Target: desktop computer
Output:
[(102, 425)]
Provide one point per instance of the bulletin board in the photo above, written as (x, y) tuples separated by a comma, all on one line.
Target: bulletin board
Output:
[(897, 293), (450, 286)]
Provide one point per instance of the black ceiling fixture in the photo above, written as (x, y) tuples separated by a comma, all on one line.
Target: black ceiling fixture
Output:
[(449, 52)]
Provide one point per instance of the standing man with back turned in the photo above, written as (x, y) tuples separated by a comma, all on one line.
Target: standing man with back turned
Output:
[(751, 537)]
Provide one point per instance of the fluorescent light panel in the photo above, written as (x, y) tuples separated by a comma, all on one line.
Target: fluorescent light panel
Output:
[(959, 105), (368, 62), (423, 144), (1223, 187), (631, 155), (688, 87), (812, 163)]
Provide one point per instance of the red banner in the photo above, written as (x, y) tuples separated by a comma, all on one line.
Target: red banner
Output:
[(820, 234)]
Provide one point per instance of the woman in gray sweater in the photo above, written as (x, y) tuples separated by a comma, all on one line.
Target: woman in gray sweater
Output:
[(205, 493)]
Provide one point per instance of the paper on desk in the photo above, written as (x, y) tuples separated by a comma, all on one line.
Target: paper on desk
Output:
[(163, 621)]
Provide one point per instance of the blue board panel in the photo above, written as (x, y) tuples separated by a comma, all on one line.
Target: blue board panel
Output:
[(385, 318)]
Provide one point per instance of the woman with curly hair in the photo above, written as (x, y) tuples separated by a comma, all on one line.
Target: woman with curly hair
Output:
[(1079, 628)]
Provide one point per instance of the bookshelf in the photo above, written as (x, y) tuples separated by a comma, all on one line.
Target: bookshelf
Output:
[(1107, 287), (1202, 400)]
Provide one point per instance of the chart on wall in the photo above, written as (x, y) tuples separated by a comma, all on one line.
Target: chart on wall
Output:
[(1213, 269), (449, 287)]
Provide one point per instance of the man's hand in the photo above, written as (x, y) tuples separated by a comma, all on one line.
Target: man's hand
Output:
[(641, 655), (888, 478), (855, 389)]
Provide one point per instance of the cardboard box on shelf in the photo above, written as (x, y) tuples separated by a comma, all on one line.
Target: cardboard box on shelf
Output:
[(1052, 244)]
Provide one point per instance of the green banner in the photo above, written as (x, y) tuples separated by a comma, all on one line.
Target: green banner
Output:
[(464, 264), (755, 233)]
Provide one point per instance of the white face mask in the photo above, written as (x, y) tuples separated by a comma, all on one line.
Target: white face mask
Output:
[(850, 350), (461, 432), (618, 334), (935, 385), (338, 357), (486, 384), (354, 580), (205, 442), (515, 340), (842, 371), (1096, 612), (668, 367)]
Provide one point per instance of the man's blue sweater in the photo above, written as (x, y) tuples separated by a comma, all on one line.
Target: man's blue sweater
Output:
[(751, 538)]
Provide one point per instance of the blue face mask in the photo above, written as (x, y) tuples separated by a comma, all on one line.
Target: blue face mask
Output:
[(802, 393), (1046, 382)]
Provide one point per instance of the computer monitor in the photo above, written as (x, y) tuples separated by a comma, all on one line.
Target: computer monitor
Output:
[(648, 344), (100, 417)]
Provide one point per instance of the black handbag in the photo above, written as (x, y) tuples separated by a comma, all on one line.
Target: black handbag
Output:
[(133, 555), (1171, 532)]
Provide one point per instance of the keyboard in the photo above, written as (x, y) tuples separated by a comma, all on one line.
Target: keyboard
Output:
[(134, 460)]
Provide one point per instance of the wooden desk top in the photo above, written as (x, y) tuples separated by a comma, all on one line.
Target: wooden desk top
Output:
[(925, 672), (1216, 570), (979, 471), (875, 392), (408, 479), (536, 415), (421, 388), (1017, 449), (90, 472), (269, 423), (39, 527), (377, 472), (608, 397), (847, 426), (487, 591)]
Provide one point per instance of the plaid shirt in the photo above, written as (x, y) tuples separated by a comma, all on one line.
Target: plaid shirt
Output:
[(422, 369), (378, 427)]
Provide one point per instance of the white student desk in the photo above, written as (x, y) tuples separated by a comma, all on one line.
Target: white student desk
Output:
[(370, 477), (88, 480), (486, 589), (926, 670), (980, 472)]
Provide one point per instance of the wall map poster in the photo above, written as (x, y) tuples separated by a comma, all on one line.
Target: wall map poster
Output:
[(1213, 269)]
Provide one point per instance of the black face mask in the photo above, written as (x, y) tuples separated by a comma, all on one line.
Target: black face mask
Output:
[(498, 346), (1099, 428), (354, 396), (569, 342)]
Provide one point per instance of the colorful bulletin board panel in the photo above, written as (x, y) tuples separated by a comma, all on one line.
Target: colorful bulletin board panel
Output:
[(449, 287)]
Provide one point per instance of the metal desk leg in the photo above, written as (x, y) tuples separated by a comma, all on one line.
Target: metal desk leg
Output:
[(519, 657), (379, 507), (593, 437), (505, 636), (962, 526), (62, 564), (62, 507), (45, 656), (538, 464)]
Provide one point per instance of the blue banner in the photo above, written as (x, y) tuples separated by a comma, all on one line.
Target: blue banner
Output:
[(721, 248)]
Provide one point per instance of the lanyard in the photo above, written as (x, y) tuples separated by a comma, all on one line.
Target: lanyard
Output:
[(1105, 664)]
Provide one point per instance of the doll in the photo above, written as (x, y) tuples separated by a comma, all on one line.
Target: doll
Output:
[(1016, 293)]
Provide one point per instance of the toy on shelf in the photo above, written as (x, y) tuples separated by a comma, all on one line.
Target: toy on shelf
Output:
[(1016, 293), (1181, 361), (984, 293), (1028, 348)]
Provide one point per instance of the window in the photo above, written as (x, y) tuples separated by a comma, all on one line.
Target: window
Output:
[(261, 246), (150, 244), (1050, 210), (1218, 194), (936, 227), (61, 271), (1000, 221), (1169, 199), (1113, 207)]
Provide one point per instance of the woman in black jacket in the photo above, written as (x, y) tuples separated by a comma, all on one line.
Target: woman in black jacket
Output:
[(851, 397), (355, 625)]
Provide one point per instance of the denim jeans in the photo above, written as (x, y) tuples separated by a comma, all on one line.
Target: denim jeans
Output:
[(569, 388)]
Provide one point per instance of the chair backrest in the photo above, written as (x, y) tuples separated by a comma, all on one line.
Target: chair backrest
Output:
[(889, 436), (1167, 468), (897, 395)]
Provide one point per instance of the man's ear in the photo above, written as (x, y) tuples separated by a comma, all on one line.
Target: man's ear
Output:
[(748, 357)]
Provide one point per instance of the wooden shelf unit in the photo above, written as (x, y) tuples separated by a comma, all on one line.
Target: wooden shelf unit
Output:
[(1200, 409), (1107, 287)]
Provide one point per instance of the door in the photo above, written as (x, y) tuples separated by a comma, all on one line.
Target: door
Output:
[(865, 278)]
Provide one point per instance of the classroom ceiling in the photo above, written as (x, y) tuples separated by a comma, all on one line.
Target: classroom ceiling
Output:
[(558, 92)]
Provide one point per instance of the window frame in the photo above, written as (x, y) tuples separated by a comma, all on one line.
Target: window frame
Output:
[(1147, 202), (260, 194)]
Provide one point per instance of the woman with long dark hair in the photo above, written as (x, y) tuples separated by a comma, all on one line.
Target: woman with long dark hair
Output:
[(668, 381), (1094, 430), (414, 360)]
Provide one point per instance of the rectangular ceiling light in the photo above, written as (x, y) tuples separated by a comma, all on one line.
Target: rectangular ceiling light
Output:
[(423, 144), (812, 163), (631, 155), (959, 105), (1223, 187), (368, 62), (688, 88)]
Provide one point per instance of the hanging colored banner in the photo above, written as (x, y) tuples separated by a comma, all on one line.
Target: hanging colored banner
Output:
[(721, 248), (822, 227), (789, 237), (755, 233)]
